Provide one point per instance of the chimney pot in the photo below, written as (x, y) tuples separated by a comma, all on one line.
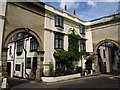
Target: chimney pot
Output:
[(65, 8), (74, 12)]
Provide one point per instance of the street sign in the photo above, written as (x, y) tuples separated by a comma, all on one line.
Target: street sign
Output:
[(119, 52), (42, 59)]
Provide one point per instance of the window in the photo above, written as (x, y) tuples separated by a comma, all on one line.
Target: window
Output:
[(28, 63), (20, 36), (82, 29), (104, 55), (10, 50), (82, 45), (34, 64), (60, 68), (59, 21), (99, 56), (33, 44), (59, 39), (20, 45), (17, 67)]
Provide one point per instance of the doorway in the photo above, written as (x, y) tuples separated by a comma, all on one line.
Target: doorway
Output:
[(9, 68)]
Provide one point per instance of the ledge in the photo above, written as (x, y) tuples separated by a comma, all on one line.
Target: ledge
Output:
[(60, 78)]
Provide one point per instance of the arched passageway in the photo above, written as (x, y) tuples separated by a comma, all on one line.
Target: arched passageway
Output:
[(23, 52), (107, 60)]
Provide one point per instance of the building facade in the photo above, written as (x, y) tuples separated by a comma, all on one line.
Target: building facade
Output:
[(57, 27), (45, 29), (105, 31), (24, 20)]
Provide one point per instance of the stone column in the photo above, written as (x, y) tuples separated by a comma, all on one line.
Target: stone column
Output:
[(97, 70), (39, 70), (4, 61), (2, 17)]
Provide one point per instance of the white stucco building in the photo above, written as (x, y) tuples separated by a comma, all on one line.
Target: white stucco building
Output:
[(57, 26), (22, 56)]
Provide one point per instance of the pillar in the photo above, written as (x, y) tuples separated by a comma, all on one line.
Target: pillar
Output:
[(4, 61), (39, 71), (96, 65)]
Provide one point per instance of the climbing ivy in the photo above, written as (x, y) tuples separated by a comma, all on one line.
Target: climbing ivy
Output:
[(72, 55)]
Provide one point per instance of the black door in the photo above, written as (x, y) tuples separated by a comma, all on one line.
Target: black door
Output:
[(9, 68)]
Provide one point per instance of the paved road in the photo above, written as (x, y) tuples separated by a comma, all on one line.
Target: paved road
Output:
[(102, 81)]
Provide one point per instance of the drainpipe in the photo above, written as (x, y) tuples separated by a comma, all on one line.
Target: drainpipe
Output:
[(14, 57), (26, 75)]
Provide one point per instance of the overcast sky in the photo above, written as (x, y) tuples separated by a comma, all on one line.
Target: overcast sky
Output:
[(87, 9)]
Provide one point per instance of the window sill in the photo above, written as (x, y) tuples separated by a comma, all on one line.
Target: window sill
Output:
[(33, 50), (82, 33), (59, 27)]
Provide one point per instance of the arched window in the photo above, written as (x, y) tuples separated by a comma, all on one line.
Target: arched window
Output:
[(20, 45), (33, 44)]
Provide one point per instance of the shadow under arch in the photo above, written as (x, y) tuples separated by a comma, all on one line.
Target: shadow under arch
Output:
[(103, 41), (28, 31), (95, 51)]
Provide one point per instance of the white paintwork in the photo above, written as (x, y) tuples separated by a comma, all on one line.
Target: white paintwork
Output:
[(60, 78), (2, 15), (70, 22), (4, 83), (14, 59), (89, 43), (106, 60)]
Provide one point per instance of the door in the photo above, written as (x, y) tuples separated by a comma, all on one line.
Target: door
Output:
[(9, 68)]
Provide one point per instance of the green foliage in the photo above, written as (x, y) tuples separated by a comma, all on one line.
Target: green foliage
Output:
[(51, 70), (68, 57)]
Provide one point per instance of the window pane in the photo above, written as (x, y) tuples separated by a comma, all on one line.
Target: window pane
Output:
[(82, 45), (56, 43), (82, 29), (33, 44), (28, 63), (17, 67), (58, 21), (58, 40), (60, 43)]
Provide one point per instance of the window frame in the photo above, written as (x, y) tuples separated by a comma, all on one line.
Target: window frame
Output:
[(17, 67), (28, 65), (59, 21), (33, 44), (83, 45), (10, 50), (58, 38), (104, 54), (20, 47), (82, 29)]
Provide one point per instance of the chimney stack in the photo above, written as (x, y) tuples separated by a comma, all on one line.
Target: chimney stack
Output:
[(74, 12), (65, 8)]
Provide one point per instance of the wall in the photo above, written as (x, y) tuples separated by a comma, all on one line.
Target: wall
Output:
[(15, 59), (2, 16), (70, 22), (104, 32), (21, 16)]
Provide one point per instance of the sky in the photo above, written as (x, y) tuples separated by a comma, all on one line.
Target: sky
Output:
[(87, 9)]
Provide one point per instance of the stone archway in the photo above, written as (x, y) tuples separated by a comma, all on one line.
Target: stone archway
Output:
[(97, 69), (29, 31), (6, 42)]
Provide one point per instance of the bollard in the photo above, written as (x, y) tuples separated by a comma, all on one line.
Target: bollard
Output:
[(85, 73), (91, 71), (4, 83)]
